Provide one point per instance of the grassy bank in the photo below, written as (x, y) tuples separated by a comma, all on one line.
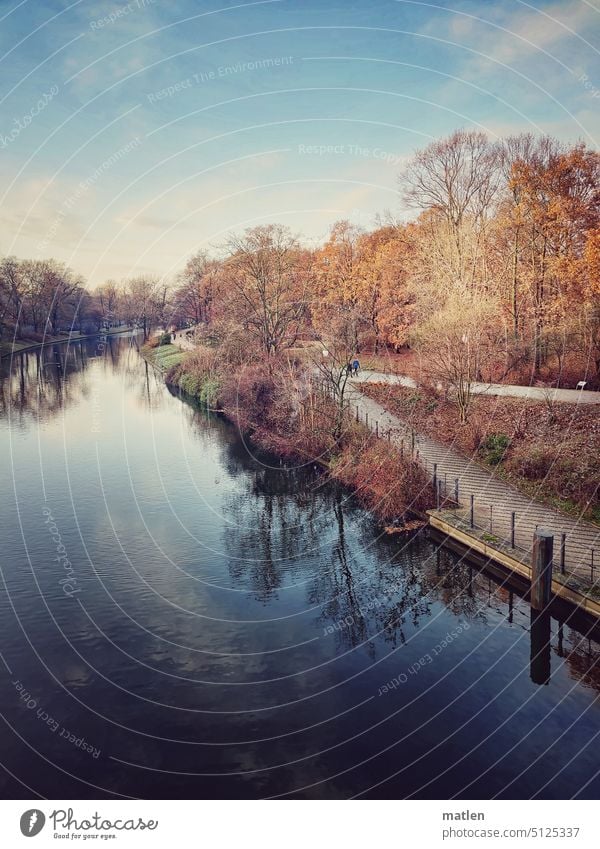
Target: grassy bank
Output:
[(163, 357), (274, 405)]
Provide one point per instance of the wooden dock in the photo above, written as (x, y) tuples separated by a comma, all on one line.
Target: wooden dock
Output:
[(451, 525)]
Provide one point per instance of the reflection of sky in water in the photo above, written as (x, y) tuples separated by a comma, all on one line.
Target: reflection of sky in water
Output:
[(252, 613)]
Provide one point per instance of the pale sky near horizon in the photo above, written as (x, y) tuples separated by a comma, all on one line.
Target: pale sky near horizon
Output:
[(129, 142)]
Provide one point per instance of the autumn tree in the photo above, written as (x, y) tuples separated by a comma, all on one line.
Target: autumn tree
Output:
[(196, 289), (11, 292), (64, 291), (338, 270), (392, 302), (372, 279), (265, 279), (559, 199)]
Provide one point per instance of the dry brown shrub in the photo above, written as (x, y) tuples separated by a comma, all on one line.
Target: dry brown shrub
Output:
[(387, 483)]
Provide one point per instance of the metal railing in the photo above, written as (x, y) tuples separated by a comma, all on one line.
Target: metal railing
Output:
[(502, 526)]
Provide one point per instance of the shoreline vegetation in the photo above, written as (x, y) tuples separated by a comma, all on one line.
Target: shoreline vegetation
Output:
[(280, 408), (531, 458)]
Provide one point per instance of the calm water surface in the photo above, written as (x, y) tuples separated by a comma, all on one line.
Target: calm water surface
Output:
[(182, 618)]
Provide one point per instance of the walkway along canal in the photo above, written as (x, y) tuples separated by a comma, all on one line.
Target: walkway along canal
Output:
[(494, 513)]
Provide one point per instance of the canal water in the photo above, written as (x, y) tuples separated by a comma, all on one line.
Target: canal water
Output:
[(181, 617)]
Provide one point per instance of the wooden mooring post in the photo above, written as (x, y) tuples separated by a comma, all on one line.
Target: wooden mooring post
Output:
[(541, 569)]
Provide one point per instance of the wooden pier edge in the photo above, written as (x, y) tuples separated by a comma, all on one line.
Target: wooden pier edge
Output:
[(568, 594)]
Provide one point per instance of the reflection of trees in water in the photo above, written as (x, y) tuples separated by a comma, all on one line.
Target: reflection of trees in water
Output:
[(277, 524), (579, 649), (289, 516), (139, 378), (408, 577), (459, 585), (358, 604), (366, 583), (581, 654), (38, 384)]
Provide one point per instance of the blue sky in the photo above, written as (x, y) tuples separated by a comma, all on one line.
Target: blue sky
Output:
[(134, 133)]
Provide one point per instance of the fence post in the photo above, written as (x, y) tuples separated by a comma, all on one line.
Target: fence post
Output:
[(541, 569), (366, 419), (456, 490), (435, 475), (437, 494), (377, 427), (357, 414), (512, 529), (491, 519), (563, 545), (412, 441), (593, 566), (472, 511), (389, 436), (402, 449)]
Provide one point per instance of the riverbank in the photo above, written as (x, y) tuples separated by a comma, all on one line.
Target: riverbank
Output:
[(280, 411), (7, 349), (163, 357), (277, 411)]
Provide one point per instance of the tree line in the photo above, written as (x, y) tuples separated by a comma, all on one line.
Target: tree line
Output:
[(496, 275)]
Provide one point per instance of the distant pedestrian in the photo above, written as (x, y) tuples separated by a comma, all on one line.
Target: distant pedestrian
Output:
[(349, 368), (355, 367)]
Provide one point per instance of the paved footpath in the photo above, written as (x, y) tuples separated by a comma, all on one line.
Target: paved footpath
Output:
[(180, 340), (534, 393), (474, 479)]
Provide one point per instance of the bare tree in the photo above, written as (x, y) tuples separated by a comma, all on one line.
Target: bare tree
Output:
[(458, 178), (457, 343), (265, 278), (330, 359), (109, 298), (145, 302)]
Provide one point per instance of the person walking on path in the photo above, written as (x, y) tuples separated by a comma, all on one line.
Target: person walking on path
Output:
[(355, 366)]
